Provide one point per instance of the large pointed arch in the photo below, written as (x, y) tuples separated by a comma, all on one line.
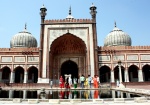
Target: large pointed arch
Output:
[(32, 74), (146, 72), (19, 74), (104, 74), (68, 43), (116, 73), (67, 46), (133, 73), (6, 74)]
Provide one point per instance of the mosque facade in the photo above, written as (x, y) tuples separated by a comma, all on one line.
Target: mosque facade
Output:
[(69, 46)]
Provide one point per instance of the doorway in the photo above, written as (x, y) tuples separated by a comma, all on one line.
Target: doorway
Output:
[(69, 67)]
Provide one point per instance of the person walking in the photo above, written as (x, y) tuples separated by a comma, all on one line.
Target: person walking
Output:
[(82, 78)]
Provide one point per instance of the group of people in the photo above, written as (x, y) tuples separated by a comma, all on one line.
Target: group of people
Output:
[(85, 82), (67, 83)]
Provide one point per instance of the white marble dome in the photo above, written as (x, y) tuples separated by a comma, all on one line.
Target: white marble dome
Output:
[(23, 39), (117, 38)]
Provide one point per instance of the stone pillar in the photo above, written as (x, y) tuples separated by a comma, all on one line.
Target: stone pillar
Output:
[(0, 76), (47, 94), (128, 95), (24, 94), (118, 94), (25, 77), (113, 94), (38, 94), (126, 75), (12, 77), (11, 93), (121, 94), (120, 74), (112, 76), (140, 75)]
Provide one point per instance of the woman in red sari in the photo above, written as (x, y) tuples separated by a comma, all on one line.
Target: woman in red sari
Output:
[(61, 82), (95, 82)]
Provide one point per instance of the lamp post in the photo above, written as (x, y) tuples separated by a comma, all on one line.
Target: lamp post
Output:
[(120, 74)]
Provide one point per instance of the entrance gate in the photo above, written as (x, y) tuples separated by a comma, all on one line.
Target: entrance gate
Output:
[(69, 67)]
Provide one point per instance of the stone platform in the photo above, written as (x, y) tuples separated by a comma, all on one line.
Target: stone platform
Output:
[(116, 101)]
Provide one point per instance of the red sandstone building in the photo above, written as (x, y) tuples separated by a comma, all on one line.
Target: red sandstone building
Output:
[(69, 46)]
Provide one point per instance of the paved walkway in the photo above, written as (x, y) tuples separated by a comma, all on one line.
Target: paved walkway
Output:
[(83, 103)]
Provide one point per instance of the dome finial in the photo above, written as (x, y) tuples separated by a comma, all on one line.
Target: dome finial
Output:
[(25, 27), (115, 24), (70, 16), (70, 10)]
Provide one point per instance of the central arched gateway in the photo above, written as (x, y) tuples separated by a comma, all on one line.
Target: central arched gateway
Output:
[(69, 67), (68, 55)]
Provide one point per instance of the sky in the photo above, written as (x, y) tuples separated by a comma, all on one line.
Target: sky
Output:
[(131, 16)]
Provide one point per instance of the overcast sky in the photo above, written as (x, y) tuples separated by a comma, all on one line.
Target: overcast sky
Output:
[(131, 16)]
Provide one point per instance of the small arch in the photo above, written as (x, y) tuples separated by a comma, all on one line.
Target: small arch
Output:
[(116, 73), (104, 74), (19, 74), (146, 72), (69, 67), (6, 74), (133, 73), (32, 74)]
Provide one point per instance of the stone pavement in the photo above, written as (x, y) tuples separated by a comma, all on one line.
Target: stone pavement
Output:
[(83, 103)]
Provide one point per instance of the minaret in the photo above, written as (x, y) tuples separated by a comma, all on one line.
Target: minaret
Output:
[(95, 47), (42, 14), (93, 12)]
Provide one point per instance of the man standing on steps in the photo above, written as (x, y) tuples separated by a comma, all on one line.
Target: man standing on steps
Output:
[(89, 80), (82, 78)]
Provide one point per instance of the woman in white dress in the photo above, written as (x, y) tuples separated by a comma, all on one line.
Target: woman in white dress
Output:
[(70, 82)]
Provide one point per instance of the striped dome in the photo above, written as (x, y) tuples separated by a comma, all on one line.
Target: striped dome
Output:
[(23, 39), (117, 38)]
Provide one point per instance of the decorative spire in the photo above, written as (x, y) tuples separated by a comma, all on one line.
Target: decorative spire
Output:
[(69, 17), (115, 24), (70, 10), (25, 27)]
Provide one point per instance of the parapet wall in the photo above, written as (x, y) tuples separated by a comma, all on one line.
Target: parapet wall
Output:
[(18, 49), (124, 48), (68, 21)]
